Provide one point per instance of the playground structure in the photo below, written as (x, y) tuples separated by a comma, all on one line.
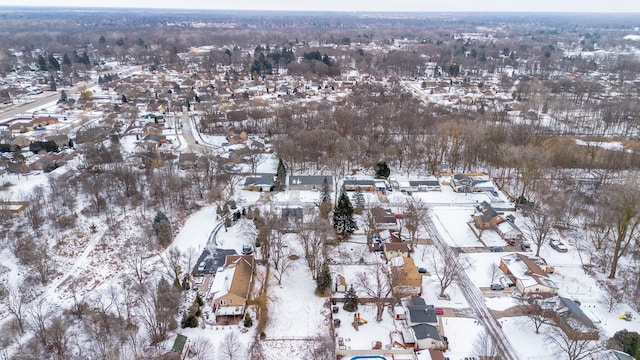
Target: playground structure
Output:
[(626, 316), (357, 321)]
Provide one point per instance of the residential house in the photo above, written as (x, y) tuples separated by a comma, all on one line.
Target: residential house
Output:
[(310, 182), (20, 141), (407, 281), (423, 337), (395, 249), (486, 217), (259, 182), (428, 184), (418, 312), (60, 140), (292, 217), (508, 231), (187, 160), (567, 315), (528, 276), (366, 185), (384, 219), (466, 183), (231, 286)]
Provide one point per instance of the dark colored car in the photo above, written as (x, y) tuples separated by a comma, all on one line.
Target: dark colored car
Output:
[(495, 249)]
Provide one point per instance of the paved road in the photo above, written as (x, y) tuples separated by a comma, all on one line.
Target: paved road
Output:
[(475, 299)]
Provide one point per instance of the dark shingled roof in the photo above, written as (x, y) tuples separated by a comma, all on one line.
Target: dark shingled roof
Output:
[(426, 331)]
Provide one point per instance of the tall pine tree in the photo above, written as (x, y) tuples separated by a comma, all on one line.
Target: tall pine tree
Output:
[(326, 196), (350, 300), (281, 176), (343, 220)]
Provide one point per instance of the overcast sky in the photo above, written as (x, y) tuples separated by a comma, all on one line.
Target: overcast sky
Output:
[(359, 5)]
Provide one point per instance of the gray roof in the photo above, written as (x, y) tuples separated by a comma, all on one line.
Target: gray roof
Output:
[(422, 314), (360, 182), (426, 331), (416, 300), (424, 182), (317, 180), (259, 179), (576, 312)]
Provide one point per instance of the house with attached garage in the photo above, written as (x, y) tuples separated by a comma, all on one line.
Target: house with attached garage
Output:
[(230, 287), (486, 217), (527, 275), (430, 183), (259, 182), (384, 219)]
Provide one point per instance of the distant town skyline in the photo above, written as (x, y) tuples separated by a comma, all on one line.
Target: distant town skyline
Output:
[(592, 6)]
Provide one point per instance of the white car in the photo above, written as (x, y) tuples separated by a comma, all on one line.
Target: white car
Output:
[(558, 246)]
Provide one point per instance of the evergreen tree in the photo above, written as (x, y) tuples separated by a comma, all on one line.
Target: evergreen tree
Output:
[(63, 96), (124, 99), (248, 322), (65, 60), (350, 300), (343, 220), (281, 176), (52, 83), (53, 63), (162, 229), (627, 341), (382, 170), (323, 281), (358, 199), (42, 63), (326, 196)]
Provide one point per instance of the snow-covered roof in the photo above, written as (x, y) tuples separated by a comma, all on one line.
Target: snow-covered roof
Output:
[(222, 282)]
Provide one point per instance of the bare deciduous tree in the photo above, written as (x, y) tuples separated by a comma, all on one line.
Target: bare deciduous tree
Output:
[(624, 210), (484, 347), (203, 348), (413, 218), (17, 307), (494, 271), (230, 347), (534, 313), (377, 285), (286, 263), (613, 294), (540, 224), (574, 348), (447, 267)]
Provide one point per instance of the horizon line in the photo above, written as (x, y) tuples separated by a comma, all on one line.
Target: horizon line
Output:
[(471, 12)]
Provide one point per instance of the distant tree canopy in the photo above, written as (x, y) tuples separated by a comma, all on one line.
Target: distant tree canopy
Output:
[(48, 146)]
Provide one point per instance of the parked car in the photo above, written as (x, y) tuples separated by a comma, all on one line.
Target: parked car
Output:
[(247, 249), (525, 246), (506, 282), (497, 287), (495, 249), (422, 270), (558, 246)]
